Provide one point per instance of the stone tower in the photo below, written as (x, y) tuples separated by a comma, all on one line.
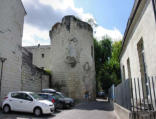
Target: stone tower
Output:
[(72, 58)]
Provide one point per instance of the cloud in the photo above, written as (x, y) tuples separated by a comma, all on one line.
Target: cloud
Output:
[(114, 34), (34, 36), (43, 14), (59, 4)]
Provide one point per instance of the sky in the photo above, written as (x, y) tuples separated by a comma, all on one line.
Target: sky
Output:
[(111, 17)]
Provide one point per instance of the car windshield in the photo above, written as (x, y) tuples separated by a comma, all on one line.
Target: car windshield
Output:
[(36, 96)]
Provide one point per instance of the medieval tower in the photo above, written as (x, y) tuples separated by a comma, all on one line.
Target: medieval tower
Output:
[(72, 58)]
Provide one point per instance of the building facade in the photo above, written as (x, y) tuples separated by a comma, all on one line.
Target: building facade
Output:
[(41, 55), (138, 58), (12, 15), (72, 58)]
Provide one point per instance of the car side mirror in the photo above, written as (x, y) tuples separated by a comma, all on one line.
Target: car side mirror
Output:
[(30, 99)]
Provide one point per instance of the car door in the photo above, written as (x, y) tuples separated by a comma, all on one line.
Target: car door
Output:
[(27, 104), (16, 99)]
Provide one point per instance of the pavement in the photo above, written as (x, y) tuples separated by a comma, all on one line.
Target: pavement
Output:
[(99, 109)]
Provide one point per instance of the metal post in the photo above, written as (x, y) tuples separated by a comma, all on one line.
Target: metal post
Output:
[(131, 83), (150, 92), (139, 94), (154, 91), (2, 61), (136, 95)]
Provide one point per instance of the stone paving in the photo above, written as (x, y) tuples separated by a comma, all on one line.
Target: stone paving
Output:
[(87, 110)]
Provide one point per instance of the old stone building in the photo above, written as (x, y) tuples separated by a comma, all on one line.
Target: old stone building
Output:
[(12, 15), (138, 57), (33, 78), (72, 57), (41, 55)]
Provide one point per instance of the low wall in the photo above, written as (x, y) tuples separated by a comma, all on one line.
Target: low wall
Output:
[(122, 112)]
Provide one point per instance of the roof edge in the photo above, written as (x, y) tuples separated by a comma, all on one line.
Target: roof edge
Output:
[(129, 23), (23, 7)]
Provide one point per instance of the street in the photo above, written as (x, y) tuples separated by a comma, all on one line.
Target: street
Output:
[(87, 110)]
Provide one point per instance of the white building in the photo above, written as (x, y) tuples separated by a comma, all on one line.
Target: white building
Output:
[(12, 15), (138, 54)]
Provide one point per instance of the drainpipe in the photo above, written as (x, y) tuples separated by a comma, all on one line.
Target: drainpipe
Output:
[(154, 7), (42, 68), (2, 61)]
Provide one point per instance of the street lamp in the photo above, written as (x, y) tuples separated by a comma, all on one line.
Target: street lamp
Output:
[(2, 61)]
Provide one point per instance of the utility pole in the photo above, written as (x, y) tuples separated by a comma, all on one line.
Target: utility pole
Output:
[(1, 76)]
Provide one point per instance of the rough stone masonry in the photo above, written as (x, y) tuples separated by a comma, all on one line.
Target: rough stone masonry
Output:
[(72, 58)]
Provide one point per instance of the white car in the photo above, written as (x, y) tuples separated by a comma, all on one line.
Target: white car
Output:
[(27, 102)]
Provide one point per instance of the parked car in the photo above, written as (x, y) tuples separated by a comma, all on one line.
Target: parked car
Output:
[(68, 102), (102, 94), (52, 98), (48, 90), (65, 101), (23, 101)]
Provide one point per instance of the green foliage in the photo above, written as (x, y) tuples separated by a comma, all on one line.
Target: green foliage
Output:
[(106, 49), (48, 71), (107, 63)]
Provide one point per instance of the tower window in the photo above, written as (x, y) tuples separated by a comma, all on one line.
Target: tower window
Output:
[(92, 52), (42, 55)]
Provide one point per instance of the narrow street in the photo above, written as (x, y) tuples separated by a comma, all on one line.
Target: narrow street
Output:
[(89, 110)]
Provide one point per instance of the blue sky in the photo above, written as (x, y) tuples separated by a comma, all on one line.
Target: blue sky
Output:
[(110, 15)]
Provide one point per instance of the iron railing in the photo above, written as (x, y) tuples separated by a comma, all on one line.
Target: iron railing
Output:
[(137, 95)]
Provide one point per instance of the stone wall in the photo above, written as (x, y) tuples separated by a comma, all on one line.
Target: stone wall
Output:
[(145, 29), (11, 31), (41, 55), (33, 78), (72, 57)]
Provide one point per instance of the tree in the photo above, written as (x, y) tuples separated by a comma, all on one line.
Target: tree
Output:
[(102, 55), (115, 62), (107, 63), (106, 49)]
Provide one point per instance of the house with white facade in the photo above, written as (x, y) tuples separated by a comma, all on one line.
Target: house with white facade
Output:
[(12, 15), (138, 59), (138, 55)]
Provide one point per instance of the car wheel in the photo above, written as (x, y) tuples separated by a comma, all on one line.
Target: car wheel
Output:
[(6, 109), (37, 111)]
